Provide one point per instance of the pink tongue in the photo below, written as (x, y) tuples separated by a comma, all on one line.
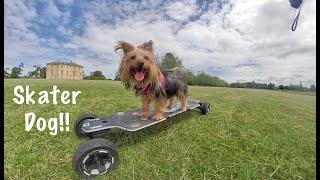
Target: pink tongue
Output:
[(139, 76)]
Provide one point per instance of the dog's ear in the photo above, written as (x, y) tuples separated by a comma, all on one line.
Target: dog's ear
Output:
[(148, 46), (126, 47)]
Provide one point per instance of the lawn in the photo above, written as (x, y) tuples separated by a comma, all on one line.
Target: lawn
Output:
[(249, 134)]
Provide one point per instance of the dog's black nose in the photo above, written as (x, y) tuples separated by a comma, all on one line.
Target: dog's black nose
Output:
[(140, 64)]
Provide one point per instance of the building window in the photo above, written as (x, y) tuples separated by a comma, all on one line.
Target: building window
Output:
[(61, 72), (74, 73), (67, 73)]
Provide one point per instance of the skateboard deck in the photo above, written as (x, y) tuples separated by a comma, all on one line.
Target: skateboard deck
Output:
[(131, 121)]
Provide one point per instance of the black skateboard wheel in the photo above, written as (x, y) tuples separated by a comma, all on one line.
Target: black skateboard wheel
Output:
[(95, 157), (205, 108), (79, 123)]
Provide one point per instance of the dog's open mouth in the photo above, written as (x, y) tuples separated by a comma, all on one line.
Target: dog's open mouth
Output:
[(139, 75)]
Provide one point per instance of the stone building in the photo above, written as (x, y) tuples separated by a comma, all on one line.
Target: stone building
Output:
[(64, 70)]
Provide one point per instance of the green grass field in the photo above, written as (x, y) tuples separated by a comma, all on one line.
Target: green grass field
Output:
[(249, 134)]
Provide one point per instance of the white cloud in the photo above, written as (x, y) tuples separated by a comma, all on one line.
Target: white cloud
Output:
[(239, 40), (232, 36), (64, 31), (53, 10), (181, 11), (66, 2), (21, 42)]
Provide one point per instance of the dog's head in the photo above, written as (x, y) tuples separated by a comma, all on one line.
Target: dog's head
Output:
[(138, 66)]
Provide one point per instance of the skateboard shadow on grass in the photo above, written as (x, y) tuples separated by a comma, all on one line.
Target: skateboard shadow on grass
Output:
[(125, 138)]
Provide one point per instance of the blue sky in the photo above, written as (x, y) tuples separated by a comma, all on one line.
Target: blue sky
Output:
[(234, 40)]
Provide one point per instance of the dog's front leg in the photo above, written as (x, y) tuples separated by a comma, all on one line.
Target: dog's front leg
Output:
[(160, 107), (146, 101), (170, 103)]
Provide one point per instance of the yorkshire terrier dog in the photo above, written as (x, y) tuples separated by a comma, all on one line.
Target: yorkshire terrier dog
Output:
[(139, 71)]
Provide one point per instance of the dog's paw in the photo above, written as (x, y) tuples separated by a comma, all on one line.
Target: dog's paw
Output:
[(157, 117), (144, 116)]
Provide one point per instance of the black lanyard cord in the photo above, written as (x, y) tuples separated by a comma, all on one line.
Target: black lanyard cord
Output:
[(295, 22)]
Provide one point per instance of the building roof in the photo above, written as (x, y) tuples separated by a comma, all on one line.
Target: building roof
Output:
[(66, 63)]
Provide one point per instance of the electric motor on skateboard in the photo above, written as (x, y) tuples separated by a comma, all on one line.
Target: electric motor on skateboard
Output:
[(98, 155)]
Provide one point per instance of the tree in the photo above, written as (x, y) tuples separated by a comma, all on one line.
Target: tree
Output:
[(96, 75), (203, 79), (281, 87), (170, 61), (192, 80), (117, 78), (253, 85), (43, 72), (6, 72), (297, 87), (39, 72), (313, 87), (35, 73), (17, 71), (270, 86)]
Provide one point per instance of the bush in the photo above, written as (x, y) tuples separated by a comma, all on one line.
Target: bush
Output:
[(96, 75)]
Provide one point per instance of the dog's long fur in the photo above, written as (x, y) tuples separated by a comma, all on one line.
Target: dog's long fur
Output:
[(163, 86)]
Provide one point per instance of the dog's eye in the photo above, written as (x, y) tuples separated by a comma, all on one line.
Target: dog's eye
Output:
[(133, 57), (146, 57)]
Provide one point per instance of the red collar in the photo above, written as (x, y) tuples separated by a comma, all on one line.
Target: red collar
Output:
[(144, 91), (147, 89)]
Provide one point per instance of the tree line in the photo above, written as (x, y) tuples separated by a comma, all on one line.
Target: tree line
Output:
[(168, 61), (16, 72), (203, 79), (253, 85), (271, 86)]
